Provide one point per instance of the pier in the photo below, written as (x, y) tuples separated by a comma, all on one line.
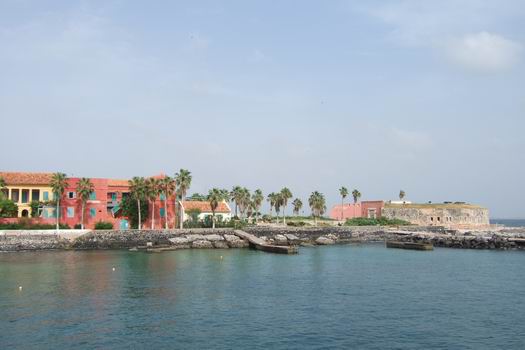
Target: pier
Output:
[(260, 244)]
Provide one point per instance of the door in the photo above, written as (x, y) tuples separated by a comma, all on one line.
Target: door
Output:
[(124, 224)]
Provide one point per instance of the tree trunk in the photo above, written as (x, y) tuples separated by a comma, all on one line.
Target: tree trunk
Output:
[(236, 209), (82, 216), (213, 221), (140, 221), (284, 215), (181, 214), (152, 214), (342, 207), (58, 213), (166, 212)]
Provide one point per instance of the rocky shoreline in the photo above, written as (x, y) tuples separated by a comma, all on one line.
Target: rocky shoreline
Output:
[(503, 238)]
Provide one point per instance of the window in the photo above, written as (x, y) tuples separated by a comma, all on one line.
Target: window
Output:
[(93, 196), (162, 212), (46, 195), (439, 219), (35, 195), (431, 218), (71, 195), (70, 212), (15, 195), (25, 196), (162, 197), (92, 212), (114, 197)]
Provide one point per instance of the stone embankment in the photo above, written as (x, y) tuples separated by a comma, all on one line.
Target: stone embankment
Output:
[(274, 235)]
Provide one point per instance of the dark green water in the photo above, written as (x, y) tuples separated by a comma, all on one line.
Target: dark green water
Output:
[(363, 297)]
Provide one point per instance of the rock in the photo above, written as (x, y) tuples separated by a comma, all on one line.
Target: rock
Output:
[(201, 244), (238, 244), (291, 237), (220, 244), (281, 239), (231, 238), (213, 238), (192, 238), (179, 240), (324, 241)]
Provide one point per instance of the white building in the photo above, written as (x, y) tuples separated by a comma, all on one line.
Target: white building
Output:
[(204, 209)]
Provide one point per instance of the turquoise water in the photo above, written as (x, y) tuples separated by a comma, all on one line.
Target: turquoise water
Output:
[(509, 222), (365, 297)]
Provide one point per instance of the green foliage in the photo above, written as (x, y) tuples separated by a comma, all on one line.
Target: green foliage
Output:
[(8, 208), (103, 225), (35, 205), (77, 226), (129, 209), (375, 222), (297, 223), (197, 197), (26, 225)]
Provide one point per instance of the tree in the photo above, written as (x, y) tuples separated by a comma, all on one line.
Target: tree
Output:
[(356, 194), (244, 201), (3, 186), (297, 205), (8, 208), (278, 204), (235, 196), (152, 192), (58, 186), (343, 191), (402, 195), (215, 197), (286, 194), (130, 209), (167, 187), (257, 199), (183, 181), (84, 189), (317, 204), (137, 189), (272, 198)]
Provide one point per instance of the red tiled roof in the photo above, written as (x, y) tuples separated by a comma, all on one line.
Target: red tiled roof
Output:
[(205, 207), (117, 182), (19, 178)]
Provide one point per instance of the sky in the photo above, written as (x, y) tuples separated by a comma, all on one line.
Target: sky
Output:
[(425, 96)]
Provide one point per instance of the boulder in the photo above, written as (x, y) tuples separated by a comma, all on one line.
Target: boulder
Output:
[(192, 238), (220, 244), (231, 238), (238, 244), (201, 244), (281, 239), (324, 241), (179, 240), (291, 237), (213, 238)]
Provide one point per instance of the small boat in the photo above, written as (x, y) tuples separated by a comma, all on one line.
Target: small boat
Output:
[(409, 245)]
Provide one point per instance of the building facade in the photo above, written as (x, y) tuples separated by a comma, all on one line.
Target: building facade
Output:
[(103, 203), (452, 215), (203, 209), (364, 209)]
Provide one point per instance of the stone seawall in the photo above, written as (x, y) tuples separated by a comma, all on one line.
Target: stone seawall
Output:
[(276, 235)]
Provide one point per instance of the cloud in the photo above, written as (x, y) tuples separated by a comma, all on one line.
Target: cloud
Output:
[(484, 51)]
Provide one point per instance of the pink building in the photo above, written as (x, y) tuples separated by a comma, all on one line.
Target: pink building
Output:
[(365, 209)]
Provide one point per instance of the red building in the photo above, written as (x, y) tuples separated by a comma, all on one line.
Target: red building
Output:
[(364, 209), (104, 205)]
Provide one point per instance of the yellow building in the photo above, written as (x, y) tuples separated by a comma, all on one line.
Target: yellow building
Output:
[(23, 188)]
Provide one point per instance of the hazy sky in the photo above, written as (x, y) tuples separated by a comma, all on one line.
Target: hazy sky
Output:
[(425, 96)]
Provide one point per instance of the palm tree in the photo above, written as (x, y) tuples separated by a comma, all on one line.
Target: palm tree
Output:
[(272, 197), (317, 204), (137, 189), (278, 204), (244, 201), (297, 205), (84, 189), (167, 187), (58, 186), (183, 181), (215, 197), (285, 195), (152, 192), (343, 191), (257, 199), (356, 194), (402, 195), (235, 195)]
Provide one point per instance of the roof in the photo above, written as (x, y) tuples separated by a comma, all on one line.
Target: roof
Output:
[(20, 178), (205, 207), (434, 206), (118, 182)]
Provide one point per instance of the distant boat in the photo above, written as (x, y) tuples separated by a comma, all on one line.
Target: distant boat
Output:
[(409, 245)]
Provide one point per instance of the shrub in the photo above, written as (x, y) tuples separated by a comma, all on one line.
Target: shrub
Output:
[(28, 226), (296, 223), (77, 226), (375, 222), (103, 225)]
